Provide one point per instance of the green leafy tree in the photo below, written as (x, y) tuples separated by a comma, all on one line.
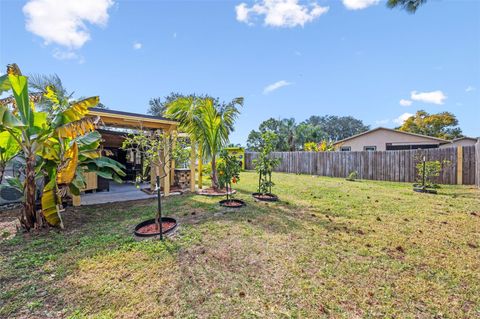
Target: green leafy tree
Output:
[(410, 6), (228, 172), (442, 125), (265, 164), (311, 147), (292, 136), (335, 128)]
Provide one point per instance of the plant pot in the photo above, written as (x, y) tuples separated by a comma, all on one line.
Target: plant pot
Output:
[(232, 203), (144, 229), (267, 197), (424, 190)]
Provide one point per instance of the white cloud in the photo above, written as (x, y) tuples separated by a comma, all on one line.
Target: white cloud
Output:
[(359, 4), (280, 13), (64, 21), (137, 45), (402, 118), (434, 97), (470, 88), (275, 86), (404, 102)]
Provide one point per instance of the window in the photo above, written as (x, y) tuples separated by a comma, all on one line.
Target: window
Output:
[(345, 148), (400, 147), (369, 148)]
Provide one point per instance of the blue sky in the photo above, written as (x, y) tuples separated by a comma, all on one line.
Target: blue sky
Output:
[(288, 58)]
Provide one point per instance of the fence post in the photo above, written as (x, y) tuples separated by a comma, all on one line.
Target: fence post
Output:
[(459, 165), (477, 163)]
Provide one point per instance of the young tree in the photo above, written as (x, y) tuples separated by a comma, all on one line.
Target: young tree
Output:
[(265, 164), (156, 149), (229, 172), (442, 125)]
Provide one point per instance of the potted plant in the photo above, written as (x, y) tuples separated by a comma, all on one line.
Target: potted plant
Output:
[(228, 173), (426, 173), (156, 149), (264, 166)]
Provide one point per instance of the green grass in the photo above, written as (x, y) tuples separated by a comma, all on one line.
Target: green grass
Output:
[(330, 248)]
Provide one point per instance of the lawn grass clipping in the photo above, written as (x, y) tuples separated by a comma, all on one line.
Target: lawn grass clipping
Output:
[(330, 248)]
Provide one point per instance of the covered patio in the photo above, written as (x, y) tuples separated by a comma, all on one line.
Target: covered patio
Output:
[(116, 125)]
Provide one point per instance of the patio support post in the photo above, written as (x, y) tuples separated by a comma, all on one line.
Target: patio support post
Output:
[(200, 167), (76, 201), (193, 154), (172, 168), (167, 159)]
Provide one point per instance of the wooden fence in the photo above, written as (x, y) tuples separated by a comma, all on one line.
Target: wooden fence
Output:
[(477, 162), (398, 166)]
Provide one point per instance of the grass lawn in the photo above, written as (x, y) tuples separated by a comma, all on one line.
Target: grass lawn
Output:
[(331, 248)]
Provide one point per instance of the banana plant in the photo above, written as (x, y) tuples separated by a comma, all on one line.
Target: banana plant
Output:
[(64, 139)]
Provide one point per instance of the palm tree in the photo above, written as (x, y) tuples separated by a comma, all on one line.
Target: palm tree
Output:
[(214, 125), (410, 5), (289, 129), (207, 123)]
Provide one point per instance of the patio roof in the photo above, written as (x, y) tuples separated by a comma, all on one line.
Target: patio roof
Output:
[(133, 120)]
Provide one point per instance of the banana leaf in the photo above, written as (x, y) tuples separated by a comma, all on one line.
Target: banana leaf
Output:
[(49, 204), (67, 169)]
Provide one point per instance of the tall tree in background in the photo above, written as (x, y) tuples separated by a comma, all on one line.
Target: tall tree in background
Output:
[(292, 136), (336, 128), (442, 125), (410, 6)]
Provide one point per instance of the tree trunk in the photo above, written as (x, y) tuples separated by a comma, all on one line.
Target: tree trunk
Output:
[(214, 173), (30, 190), (2, 171)]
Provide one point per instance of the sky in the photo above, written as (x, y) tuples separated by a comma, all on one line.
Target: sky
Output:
[(287, 58)]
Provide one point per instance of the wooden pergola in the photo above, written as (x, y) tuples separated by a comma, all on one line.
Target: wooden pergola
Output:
[(134, 121)]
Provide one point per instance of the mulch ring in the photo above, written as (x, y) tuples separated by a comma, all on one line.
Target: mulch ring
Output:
[(215, 192), (153, 228), (232, 203), (265, 197)]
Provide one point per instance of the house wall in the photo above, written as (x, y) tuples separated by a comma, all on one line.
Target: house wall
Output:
[(380, 138), (463, 142)]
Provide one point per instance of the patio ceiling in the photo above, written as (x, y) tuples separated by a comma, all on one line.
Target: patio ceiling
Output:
[(133, 120)]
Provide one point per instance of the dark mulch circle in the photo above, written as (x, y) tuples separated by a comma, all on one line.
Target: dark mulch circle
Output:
[(267, 197), (149, 228), (232, 203)]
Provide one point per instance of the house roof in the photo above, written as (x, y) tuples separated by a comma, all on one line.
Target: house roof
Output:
[(441, 140), (465, 138), (133, 120)]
